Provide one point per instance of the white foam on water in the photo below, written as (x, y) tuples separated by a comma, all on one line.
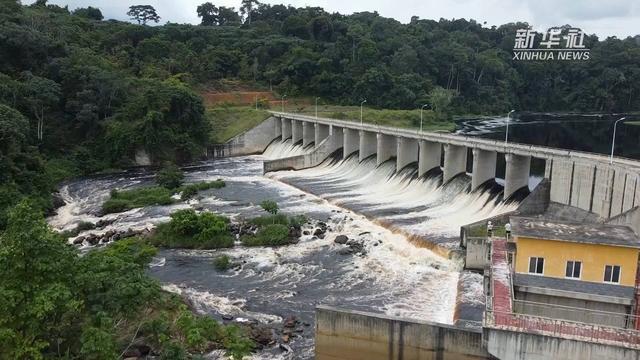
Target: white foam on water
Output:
[(436, 210), (205, 301)]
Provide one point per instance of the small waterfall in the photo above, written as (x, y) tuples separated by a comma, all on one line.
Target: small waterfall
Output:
[(282, 149)]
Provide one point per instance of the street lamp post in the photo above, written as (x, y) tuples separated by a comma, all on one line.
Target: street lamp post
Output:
[(317, 107), (506, 135), (361, 104), (613, 141), (422, 108), (283, 96)]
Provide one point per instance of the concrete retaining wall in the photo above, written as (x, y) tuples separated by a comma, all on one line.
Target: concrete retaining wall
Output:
[(543, 305), (253, 141), (354, 335), (507, 345)]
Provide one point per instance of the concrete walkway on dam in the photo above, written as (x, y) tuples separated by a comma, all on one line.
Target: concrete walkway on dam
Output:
[(585, 180)]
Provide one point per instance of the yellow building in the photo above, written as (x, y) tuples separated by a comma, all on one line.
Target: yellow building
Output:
[(561, 267)]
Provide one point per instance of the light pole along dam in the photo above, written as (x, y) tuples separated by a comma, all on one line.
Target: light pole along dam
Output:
[(585, 180)]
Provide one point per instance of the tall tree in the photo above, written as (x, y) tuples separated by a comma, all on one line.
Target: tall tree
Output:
[(89, 13), (209, 14), (246, 9), (228, 16), (143, 14), (41, 94)]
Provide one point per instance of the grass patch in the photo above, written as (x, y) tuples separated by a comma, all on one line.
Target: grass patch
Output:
[(280, 219), (189, 230), (154, 195), (189, 191), (229, 121), (130, 199), (409, 119), (269, 235)]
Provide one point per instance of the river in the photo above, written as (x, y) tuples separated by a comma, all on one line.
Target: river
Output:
[(395, 215)]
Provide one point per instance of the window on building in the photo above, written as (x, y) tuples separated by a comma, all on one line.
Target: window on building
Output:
[(612, 273), (536, 265), (573, 269)]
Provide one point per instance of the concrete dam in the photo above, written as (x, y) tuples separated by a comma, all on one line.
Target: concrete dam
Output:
[(433, 189), (592, 182)]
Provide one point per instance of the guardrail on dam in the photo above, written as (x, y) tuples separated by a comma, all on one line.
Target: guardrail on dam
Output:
[(585, 180)]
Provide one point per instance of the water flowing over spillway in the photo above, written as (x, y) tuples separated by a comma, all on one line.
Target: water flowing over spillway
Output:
[(282, 149), (354, 199), (420, 206)]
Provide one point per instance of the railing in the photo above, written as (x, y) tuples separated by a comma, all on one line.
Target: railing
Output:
[(516, 148), (565, 329), (582, 315)]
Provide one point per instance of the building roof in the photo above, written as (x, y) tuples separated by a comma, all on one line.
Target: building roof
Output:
[(575, 286), (590, 233)]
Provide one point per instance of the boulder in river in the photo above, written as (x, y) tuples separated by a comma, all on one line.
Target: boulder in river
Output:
[(290, 321), (341, 239), (261, 334)]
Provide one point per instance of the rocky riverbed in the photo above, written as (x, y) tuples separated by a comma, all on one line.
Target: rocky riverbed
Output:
[(341, 258)]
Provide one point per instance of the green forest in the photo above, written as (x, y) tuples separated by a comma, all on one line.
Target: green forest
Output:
[(82, 95)]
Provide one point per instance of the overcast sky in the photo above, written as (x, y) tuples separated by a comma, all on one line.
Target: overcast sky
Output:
[(605, 18)]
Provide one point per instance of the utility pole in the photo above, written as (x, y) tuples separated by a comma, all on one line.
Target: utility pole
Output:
[(422, 108), (613, 141), (506, 135), (283, 96)]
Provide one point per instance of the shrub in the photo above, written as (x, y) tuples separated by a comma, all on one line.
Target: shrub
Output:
[(271, 219), (270, 206), (170, 177), (236, 342), (85, 225), (187, 229), (269, 235), (222, 263), (188, 191), (297, 221)]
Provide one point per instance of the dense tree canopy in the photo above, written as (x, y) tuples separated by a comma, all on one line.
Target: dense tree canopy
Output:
[(94, 93)]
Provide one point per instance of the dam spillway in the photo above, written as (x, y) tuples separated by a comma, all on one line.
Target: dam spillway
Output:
[(421, 206), (592, 182)]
